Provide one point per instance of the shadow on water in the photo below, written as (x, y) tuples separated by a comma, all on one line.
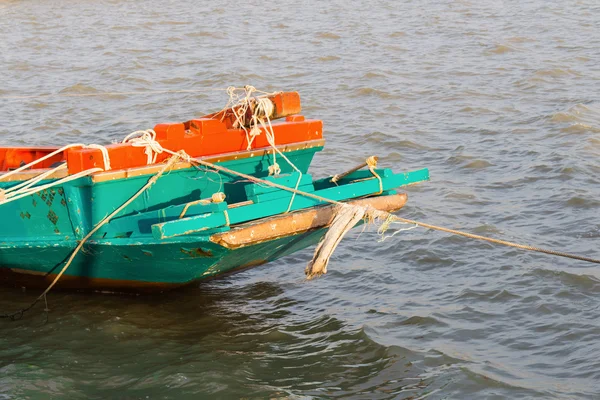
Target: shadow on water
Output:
[(218, 339)]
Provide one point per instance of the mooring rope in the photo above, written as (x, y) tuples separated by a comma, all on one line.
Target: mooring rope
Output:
[(497, 241), (260, 110), (383, 214)]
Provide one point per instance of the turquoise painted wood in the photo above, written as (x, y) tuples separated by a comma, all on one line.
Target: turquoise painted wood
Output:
[(149, 242), (172, 262), (191, 225), (72, 210)]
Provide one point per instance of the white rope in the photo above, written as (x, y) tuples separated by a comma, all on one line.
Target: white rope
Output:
[(39, 160), (25, 185), (242, 103), (105, 156), (28, 187), (266, 108), (148, 140), (382, 229), (262, 108), (240, 100), (145, 139), (36, 189)]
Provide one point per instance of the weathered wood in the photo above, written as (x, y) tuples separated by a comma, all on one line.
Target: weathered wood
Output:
[(345, 218), (189, 226), (337, 193), (298, 222), (338, 177), (285, 104)]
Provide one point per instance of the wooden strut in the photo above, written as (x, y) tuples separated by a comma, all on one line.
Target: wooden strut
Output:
[(396, 218), (338, 177)]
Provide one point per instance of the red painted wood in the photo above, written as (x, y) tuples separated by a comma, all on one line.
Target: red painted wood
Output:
[(210, 135)]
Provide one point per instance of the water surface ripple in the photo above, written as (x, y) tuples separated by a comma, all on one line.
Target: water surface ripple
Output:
[(499, 99)]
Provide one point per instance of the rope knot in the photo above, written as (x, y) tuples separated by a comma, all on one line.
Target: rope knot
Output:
[(255, 131), (372, 162), (274, 169), (264, 108), (145, 139), (218, 197)]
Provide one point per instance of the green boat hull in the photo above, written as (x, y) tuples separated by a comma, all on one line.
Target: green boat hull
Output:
[(163, 239), (139, 266)]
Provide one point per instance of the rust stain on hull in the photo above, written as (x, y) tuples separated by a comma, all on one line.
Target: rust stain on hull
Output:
[(196, 252)]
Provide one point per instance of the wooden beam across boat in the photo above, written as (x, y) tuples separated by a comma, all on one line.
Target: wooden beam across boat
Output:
[(298, 222)]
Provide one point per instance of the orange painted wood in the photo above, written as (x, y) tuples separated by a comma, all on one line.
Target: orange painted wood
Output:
[(209, 135), (204, 137), (14, 157), (286, 103)]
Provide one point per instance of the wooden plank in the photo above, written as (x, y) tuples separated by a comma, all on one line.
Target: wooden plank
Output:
[(298, 222), (259, 193), (142, 222), (288, 180), (189, 226), (337, 193)]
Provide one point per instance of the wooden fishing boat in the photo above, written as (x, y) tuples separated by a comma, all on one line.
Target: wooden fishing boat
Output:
[(191, 222)]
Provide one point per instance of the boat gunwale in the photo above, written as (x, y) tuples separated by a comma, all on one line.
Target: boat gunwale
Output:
[(154, 168)]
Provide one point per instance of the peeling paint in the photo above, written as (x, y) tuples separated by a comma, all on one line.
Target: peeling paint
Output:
[(53, 217), (196, 252)]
